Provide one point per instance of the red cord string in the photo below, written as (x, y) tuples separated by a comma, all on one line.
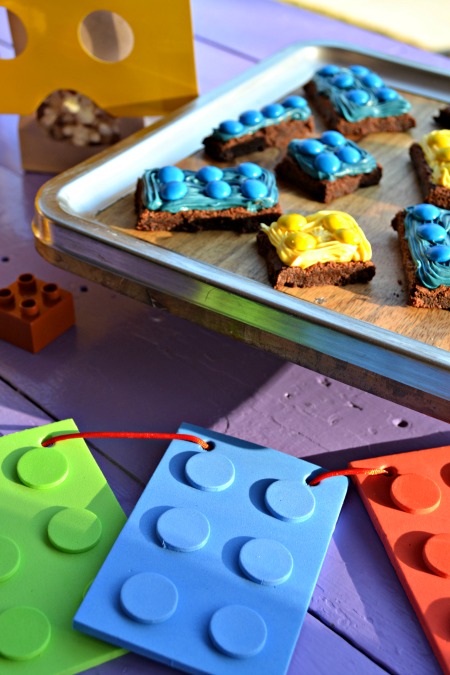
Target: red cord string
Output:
[(203, 444), (346, 472), (125, 434)]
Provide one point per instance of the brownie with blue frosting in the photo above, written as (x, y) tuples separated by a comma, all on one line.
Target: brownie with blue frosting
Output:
[(357, 102), (236, 198), (424, 239), (328, 167), (273, 126)]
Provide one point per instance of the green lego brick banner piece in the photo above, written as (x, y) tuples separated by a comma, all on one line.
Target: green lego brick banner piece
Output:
[(58, 521)]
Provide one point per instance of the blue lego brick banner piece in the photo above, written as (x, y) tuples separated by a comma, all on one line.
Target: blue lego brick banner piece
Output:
[(215, 568)]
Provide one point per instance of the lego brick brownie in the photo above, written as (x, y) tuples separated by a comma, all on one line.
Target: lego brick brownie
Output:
[(431, 161), (328, 167), (424, 238), (273, 126), (325, 248), (356, 102), (237, 198)]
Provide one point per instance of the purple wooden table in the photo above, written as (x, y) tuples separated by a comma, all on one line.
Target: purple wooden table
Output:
[(127, 366)]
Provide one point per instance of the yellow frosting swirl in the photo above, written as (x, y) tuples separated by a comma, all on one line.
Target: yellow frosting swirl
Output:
[(326, 236), (436, 147)]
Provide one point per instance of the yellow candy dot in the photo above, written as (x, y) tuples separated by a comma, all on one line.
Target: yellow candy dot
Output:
[(348, 236), (300, 241), (292, 221), (443, 154), (335, 221), (441, 139)]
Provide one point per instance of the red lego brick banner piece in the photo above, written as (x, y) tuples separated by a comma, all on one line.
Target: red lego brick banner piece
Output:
[(410, 509), (34, 313)]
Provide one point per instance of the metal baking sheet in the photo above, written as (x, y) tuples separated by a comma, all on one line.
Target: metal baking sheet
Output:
[(72, 231)]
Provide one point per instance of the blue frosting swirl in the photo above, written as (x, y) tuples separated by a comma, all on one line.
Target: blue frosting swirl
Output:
[(196, 197), (427, 231), (357, 93), (250, 121), (331, 156)]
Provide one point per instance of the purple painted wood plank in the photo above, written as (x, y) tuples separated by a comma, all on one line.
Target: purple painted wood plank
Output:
[(259, 28), (10, 153), (215, 66)]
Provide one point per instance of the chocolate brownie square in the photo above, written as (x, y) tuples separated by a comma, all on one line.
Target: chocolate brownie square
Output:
[(325, 248), (442, 119), (431, 161), (328, 167), (273, 126), (424, 239), (237, 198), (356, 102)]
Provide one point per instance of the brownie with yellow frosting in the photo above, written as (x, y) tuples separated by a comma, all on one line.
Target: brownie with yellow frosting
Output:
[(424, 240), (431, 161), (325, 248)]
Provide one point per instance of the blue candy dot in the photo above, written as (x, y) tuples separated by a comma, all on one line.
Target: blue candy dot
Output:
[(358, 96), (360, 71), (273, 110), (249, 170), (327, 162), (439, 253), (218, 189), (173, 190), (426, 212), (333, 138), (251, 117), (231, 127), (343, 81), (170, 173), (310, 147), (330, 69), (294, 102), (208, 173), (254, 189), (349, 155), (386, 94), (432, 232), (372, 80)]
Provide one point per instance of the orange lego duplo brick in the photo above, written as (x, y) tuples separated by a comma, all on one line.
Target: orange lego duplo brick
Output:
[(33, 313), (410, 509)]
